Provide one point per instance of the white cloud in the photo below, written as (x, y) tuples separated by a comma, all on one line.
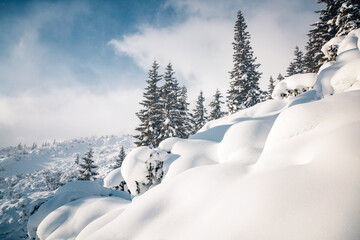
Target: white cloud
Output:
[(200, 47), (65, 113), (196, 49)]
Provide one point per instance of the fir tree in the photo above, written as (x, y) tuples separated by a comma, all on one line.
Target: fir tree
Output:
[(199, 117), (184, 125), (77, 159), (337, 19), (244, 90), (348, 17), (120, 158), (297, 65), (271, 87), (87, 168), (215, 106), (151, 116), (280, 77), (171, 126)]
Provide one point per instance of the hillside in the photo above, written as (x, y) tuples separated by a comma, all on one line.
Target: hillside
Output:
[(28, 177), (284, 169)]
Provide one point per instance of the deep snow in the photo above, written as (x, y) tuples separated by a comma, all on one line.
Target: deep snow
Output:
[(28, 177), (283, 169)]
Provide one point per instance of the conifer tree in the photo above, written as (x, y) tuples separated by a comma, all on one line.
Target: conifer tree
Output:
[(199, 117), (87, 168), (271, 87), (337, 19), (184, 125), (77, 159), (215, 106), (348, 17), (171, 126), (297, 65), (151, 116), (244, 90), (120, 158), (280, 77)]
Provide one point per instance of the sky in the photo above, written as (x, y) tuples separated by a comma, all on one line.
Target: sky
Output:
[(72, 69)]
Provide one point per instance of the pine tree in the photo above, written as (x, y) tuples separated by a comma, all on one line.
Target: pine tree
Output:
[(244, 90), (77, 159), (151, 116), (120, 158), (280, 77), (184, 125), (337, 19), (199, 117), (297, 65), (215, 106), (348, 17), (171, 126), (87, 168), (271, 87)]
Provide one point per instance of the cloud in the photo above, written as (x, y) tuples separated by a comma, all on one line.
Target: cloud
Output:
[(196, 49), (200, 47), (47, 92), (68, 112)]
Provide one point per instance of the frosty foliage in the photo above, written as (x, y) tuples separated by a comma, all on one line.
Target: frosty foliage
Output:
[(337, 19), (151, 115), (199, 114), (297, 65), (120, 158), (87, 167), (215, 106), (244, 89), (165, 109)]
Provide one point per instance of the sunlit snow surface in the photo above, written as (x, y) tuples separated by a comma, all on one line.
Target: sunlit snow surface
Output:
[(283, 169), (28, 177)]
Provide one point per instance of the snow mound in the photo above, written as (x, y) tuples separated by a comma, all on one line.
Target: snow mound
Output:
[(142, 168), (72, 219), (294, 85), (283, 169), (113, 179), (68, 193), (344, 74)]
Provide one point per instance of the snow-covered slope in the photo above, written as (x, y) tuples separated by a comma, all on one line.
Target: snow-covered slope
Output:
[(28, 178), (283, 169)]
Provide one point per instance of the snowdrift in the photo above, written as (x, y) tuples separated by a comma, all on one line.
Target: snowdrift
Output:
[(283, 169)]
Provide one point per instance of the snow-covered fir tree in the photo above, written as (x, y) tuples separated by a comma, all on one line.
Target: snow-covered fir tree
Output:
[(77, 159), (337, 19), (297, 65), (170, 92), (87, 167), (348, 17), (215, 106), (120, 158), (271, 87), (244, 84), (184, 125), (280, 77), (151, 116), (199, 114)]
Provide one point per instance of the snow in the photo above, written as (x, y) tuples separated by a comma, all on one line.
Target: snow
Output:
[(69, 220), (113, 179), (68, 193), (28, 177), (300, 82), (283, 169), (344, 74)]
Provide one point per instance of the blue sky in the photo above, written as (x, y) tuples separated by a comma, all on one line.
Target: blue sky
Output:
[(77, 68)]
